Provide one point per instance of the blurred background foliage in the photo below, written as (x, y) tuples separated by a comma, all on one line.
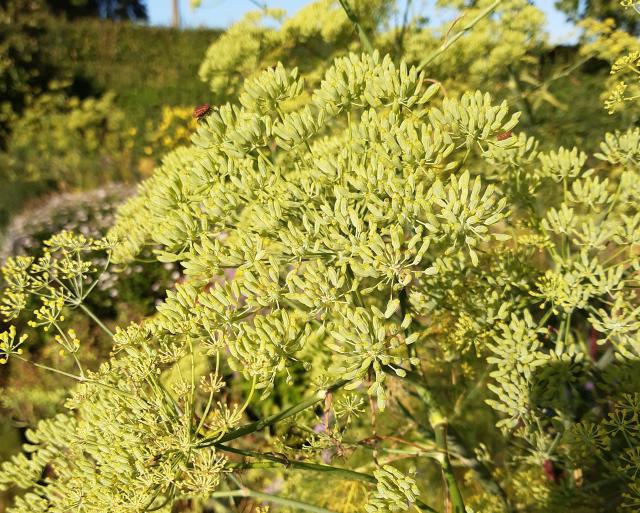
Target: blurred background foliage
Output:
[(91, 96), (84, 91)]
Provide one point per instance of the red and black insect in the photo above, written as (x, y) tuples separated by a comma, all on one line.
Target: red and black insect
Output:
[(504, 135), (553, 471), (201, 111)]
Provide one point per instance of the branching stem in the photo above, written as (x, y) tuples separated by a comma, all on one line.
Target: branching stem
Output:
[(449, 42), (273, 419), (302, 465), (80, 379), (438, 422)]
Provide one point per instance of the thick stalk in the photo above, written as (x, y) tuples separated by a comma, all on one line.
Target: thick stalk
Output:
[(478, 468), (453, 438), (462, 455), (438, 422)]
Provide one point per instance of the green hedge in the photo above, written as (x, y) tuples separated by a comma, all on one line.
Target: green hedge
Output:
[(147, 67)]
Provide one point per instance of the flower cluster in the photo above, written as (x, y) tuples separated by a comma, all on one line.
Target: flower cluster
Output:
[(365, 257)]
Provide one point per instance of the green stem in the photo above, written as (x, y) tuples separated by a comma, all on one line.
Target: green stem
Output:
[(452, 485), (366, 43), (561, 74), (52, 369), (97, 280), (466, 455), (68, 347), (358, 297), (81, 379), (614, 200), (403, 30), (292, 503), (275, 461), (86, 310), (346, 474), (302, 465), (445, 46), (78, 364), (545, 318), (273, 419), (614, 256), (567, 330), (526, 104), (439, 423), (404, 309)]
